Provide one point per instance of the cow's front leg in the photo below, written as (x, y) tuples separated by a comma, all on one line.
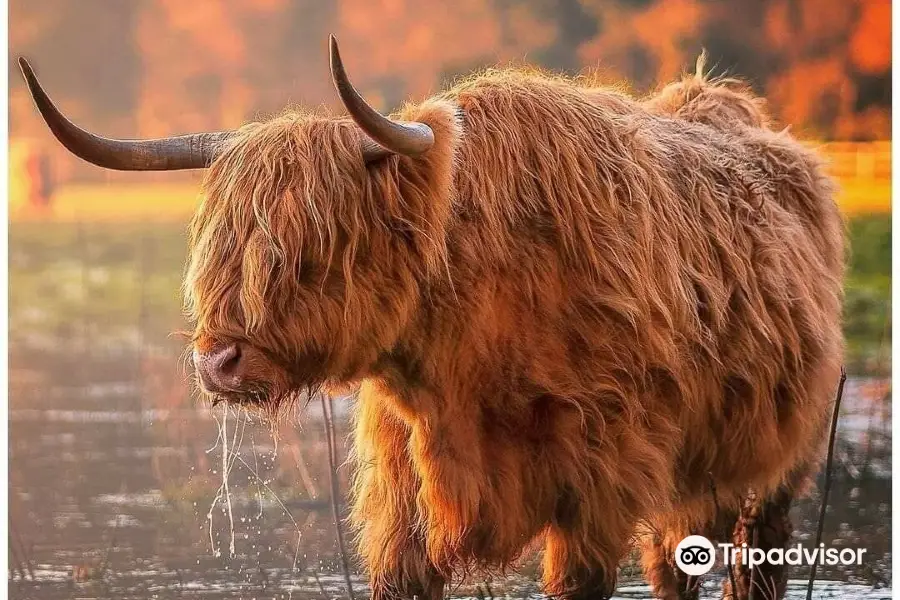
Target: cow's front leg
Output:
[(384, 507), (574, 570), (409, 576), (582, 551)]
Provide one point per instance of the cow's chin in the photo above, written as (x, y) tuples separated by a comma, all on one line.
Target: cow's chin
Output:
[(264, 399), (274, 400)]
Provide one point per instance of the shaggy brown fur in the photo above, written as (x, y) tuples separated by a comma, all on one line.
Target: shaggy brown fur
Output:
[(726, 104), (563, 318), (717, 101)]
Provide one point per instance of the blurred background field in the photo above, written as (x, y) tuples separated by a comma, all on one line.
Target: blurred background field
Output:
[(115, 468), (863, 171)]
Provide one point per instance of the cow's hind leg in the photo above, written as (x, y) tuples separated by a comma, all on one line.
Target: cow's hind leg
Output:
[(665, 579), (658, 545), (763, 524), (658, 562)]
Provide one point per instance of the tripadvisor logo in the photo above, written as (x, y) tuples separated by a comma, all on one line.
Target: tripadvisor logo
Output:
[(695, 555)]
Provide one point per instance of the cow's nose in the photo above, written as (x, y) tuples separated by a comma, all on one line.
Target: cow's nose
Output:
[(220, 369)]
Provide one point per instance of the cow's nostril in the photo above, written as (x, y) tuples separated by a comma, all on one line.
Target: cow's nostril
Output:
[(231, 361)]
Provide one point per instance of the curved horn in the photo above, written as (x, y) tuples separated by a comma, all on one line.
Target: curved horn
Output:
[(193, 151), (387, 136)]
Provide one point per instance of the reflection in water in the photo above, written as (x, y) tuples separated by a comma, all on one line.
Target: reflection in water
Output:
[(116, 474), (105, 490)]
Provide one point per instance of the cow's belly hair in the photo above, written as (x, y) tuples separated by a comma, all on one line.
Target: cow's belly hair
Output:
[(483, 494)]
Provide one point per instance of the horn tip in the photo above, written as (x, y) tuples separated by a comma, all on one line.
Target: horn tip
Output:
[(338, 74), (28, 75), (334, 53), (333, 46), (24, 66)]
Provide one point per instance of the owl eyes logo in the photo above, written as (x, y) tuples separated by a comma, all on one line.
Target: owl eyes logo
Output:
[(695, 555)]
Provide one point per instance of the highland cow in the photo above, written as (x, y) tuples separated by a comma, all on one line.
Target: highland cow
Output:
[(568, 316)]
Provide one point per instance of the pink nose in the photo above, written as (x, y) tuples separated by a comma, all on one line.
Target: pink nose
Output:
[(220, 369)]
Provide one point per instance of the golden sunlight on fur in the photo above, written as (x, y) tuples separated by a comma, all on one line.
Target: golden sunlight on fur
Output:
[(566, 319)]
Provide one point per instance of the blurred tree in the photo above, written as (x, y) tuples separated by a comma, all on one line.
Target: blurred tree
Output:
[(84, 53), (150, 67)]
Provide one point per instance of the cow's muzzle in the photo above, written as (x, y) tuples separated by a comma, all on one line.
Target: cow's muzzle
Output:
[(222, 369)]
